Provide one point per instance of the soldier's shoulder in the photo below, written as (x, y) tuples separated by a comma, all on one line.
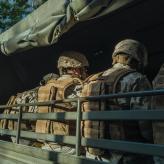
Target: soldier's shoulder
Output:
[(49, 77), (93, 77), (135, 77)]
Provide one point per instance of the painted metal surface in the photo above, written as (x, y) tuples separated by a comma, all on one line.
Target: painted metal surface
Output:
[(18, 153)]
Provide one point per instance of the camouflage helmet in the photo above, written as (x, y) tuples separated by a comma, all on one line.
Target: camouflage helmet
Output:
[(48, 77), (72, 59), (133, 49)]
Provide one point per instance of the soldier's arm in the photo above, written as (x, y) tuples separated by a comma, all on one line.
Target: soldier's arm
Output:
[(142, 103), (132, 83)]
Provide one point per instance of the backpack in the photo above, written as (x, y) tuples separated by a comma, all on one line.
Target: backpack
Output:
[(21, 98), (57, 90), (30, 96), (97, 85)]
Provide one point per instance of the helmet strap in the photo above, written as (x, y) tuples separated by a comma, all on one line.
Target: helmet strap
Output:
[(75, 72), (126, 60), (123, 59)]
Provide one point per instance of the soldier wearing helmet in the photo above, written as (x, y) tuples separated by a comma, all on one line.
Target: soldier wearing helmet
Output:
[(29, 96), (72, 69), (130, 52), (128, 57), (73, 63)]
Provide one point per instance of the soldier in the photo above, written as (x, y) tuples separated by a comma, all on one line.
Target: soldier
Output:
[(129, 56), (72, 68), (29, 96), (158, 103)]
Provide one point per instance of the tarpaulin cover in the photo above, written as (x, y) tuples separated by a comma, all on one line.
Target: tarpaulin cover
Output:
[(50, 21)]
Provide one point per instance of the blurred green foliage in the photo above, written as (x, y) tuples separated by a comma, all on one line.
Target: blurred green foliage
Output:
[(12, 11)]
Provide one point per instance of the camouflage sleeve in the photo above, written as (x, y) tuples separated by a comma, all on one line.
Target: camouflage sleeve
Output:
[(141, 84), (142, 103), (132, 83)]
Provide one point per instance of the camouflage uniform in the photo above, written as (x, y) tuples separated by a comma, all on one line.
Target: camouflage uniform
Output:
[(158, 103), (71, 92), (21, 98), (66, 61), (26, 125), (126, 53)]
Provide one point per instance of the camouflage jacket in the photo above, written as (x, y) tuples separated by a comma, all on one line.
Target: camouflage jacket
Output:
[(133, 82)]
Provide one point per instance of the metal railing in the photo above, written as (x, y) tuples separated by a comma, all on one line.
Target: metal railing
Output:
[(78, 141)]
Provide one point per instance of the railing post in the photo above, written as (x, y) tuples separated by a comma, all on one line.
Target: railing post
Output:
[(78, 128), (19, 125)]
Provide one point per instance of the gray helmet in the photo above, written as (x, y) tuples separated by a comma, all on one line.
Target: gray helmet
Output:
[(133, 49), (72, 59), (48, 77)]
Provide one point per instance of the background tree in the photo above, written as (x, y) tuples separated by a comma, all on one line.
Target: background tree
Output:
[(12, 11), (37, 3)]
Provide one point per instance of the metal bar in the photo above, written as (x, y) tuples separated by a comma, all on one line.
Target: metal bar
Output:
[(9, 116), (41, 136), (19, 125), (125, 95), (99, 115), (42, 116), (50, 116), (8, 132), (92, 98), (125, 115), (125, 146), (78, 128), (46, 103)]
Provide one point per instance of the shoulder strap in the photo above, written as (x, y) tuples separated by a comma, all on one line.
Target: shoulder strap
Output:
[(120, 75), (112, 80), (159, 79), (73, 81), (77, 80), (45, 93), (93, 77)]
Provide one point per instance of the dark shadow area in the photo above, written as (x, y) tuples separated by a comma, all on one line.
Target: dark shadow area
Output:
[(96, 38)]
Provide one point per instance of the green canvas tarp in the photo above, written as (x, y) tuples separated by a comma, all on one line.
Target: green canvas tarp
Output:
[(50, 21)]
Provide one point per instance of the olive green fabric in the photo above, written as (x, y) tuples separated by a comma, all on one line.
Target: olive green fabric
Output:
[(50, 21)]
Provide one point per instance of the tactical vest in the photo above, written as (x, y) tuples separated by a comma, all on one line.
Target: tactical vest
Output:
[(30, 96), (158, 103), (98, 85), (21, 98), (57, 90), (4, 122)]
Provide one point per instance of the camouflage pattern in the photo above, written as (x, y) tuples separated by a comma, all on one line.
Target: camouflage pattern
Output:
[(158, 103), (93, 129), (58, 148), (68, 85), (57, 90), (68, 127), (21, 98), (143, 132), (94, 86), (72, 59), (48, 77), (133, 49), (30, 96)]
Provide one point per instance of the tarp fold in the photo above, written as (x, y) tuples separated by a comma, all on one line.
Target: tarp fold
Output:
[(50, 21)]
